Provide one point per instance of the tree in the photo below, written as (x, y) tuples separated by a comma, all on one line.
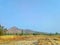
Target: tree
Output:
[(21, 32), (2, 30), (36, 33), (56, 33)]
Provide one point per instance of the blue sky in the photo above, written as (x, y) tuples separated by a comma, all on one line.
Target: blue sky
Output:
[(38, 15)]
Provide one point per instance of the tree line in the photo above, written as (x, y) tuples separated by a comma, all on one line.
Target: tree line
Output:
[(3, 32)]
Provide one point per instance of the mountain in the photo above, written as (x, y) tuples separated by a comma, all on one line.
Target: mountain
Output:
[(15, 30), (28, 31)]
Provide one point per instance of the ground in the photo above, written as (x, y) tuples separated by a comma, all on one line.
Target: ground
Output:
[(29, 40)]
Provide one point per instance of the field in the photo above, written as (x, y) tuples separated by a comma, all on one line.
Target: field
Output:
[(29, 40)]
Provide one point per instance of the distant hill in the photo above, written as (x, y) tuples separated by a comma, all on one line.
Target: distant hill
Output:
[(15, 30)]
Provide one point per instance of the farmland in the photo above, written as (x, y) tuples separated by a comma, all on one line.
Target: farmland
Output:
[(29, 40)]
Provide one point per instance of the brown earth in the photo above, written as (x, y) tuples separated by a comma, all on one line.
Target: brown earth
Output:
[(29, 40)]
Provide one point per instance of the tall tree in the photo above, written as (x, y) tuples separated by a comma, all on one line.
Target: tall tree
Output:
[(2, 30)]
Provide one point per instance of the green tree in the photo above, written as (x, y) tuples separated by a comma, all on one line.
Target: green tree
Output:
[(2, 30), (56, 33)]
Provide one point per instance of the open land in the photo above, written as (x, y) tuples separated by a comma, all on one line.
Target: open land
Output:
[(29, 40)]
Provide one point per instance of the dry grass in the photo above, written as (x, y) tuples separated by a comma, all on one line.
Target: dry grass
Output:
[(39, 39)]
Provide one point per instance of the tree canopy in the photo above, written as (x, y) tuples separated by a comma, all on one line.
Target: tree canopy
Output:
[(2, 30)]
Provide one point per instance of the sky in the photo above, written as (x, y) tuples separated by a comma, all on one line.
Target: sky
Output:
[(38, 15)]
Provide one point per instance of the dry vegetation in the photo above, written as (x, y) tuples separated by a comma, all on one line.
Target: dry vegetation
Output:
[(29, 40), (22, 39)]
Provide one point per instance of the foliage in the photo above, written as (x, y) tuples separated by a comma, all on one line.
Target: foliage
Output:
[(36, 33), (2, 30)]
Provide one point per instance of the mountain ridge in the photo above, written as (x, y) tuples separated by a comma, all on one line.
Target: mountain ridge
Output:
[(14, 30)]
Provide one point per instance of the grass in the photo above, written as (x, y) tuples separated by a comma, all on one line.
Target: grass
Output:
[(40, 39)]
